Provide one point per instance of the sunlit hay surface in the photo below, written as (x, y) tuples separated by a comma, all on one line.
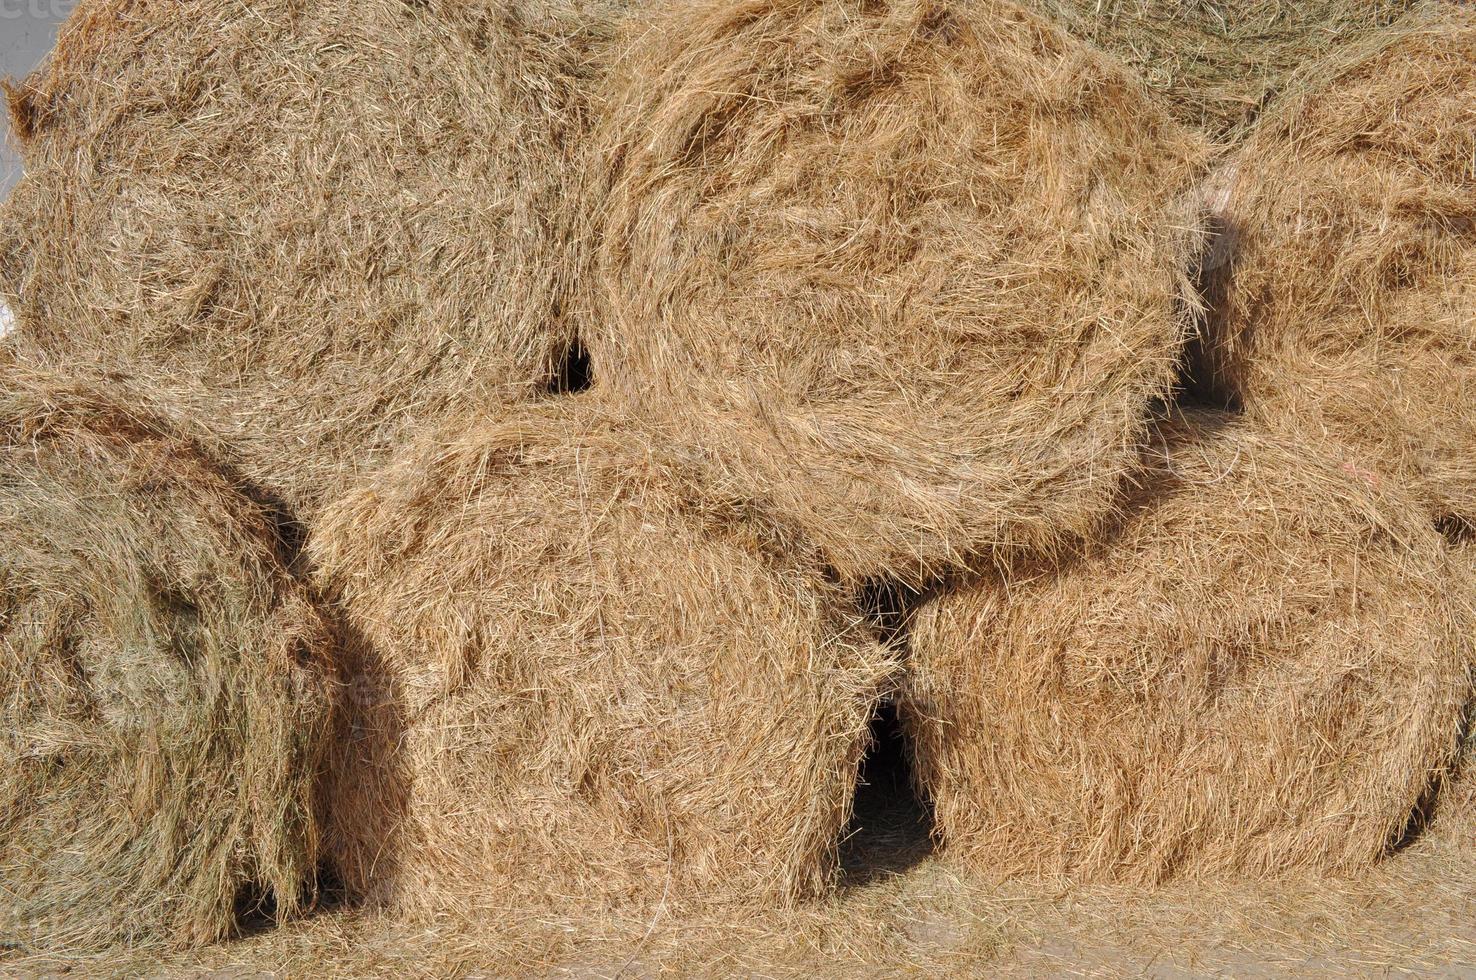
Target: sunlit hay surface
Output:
[(601, 689), (1217, 63), (1261, 672), (165, 687), (909, 273), (305, 223), (1346, 298)]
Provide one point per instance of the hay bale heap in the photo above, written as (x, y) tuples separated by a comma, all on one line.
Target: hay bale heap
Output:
[(306, 224), (596, 687), (899, 268), (1347, 302), (1262, 671), (1217, 63), (165, 694)]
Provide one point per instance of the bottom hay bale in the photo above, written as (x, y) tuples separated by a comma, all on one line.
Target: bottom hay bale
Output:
[(164, 684), (597, 689), (1262, 671)]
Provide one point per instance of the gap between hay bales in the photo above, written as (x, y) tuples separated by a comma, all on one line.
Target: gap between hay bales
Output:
[(575, 372), (891, 831)]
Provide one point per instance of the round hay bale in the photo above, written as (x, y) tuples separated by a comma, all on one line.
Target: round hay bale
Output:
[(599, 689), (306, 223), (1217, 63), (1262, 671), (165, 685), (1345, 305), (899, 268)]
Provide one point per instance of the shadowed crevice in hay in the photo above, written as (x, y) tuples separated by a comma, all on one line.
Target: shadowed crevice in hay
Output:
[(1444, 784), (1457, 531), (256, 910), (891, 827), (1199, 384), (575, 372), (891, 830), (888, 606), (365, 792)]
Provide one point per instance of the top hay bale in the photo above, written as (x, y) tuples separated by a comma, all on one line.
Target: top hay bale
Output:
[(304, 223), (1346, 300), (1216, 63), (900, 268), (587, 683), (1262, 671), (165, 691)]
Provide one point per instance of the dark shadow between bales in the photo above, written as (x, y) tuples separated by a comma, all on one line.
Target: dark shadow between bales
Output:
[(1458, 532), (891, 830), (574, 374), (1200, 382), (1428, 807), (891, 827)]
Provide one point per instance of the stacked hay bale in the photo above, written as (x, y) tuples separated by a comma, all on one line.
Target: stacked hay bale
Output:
[(1216, 63), (305, 224), (1346, 304), (605, 687), (898, 269), (1262, 671), (165, 687), (873, 293)]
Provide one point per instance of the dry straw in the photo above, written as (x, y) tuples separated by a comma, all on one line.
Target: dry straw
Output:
[(1217, 63), (1346, 299), (911, 273), (165, 693), (1262, 671), (584, 682), (307, 224)]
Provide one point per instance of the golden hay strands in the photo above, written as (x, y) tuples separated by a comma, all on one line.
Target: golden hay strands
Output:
[(307, 224), (598, 687), (1262, 671), (165, 687), (1217, 63), (1345, 304), (900, 268)]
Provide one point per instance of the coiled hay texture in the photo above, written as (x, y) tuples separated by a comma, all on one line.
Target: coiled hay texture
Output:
[(1263, 671), (1218, 63), (1346, 304), (165, 687), (598, 691), (305, 223), (900, 268)]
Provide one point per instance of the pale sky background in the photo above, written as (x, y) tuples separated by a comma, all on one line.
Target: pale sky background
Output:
[(27, 32)]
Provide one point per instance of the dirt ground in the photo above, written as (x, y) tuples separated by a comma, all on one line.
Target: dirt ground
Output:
[(902, 911)]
